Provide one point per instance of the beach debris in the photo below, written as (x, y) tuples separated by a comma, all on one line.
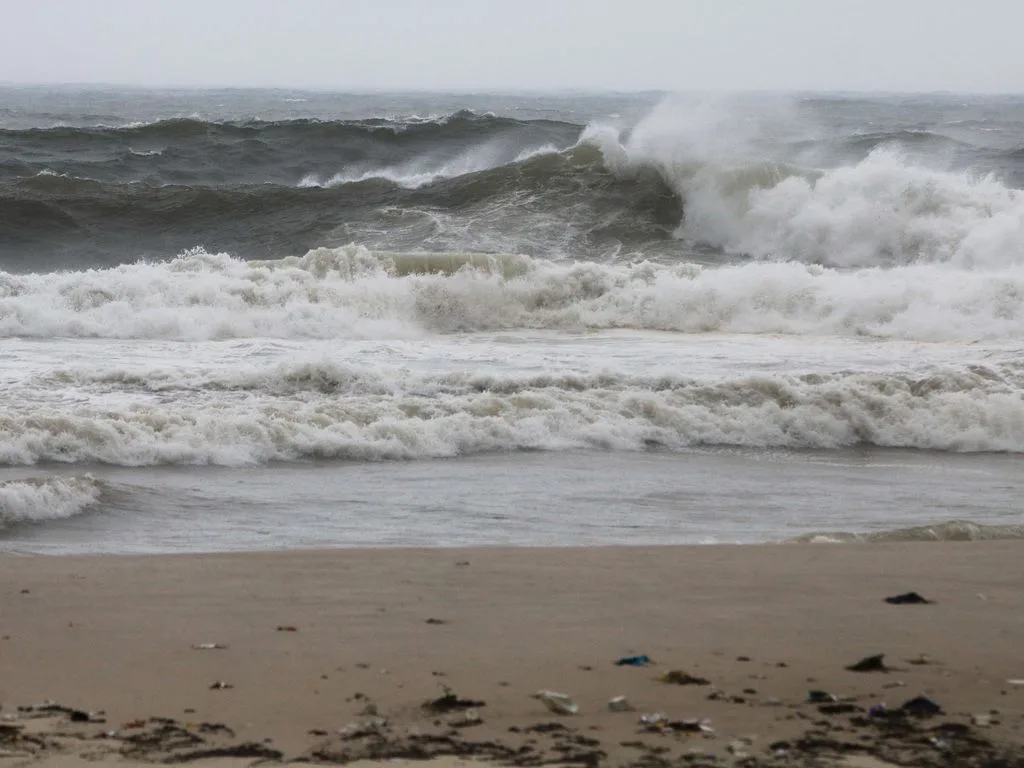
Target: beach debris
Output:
[(633, 661), (920, 660), (983, 720), (908, 598), (219, 728), (895, 684), (620, 704), (692, 725), (436, 621), (678, 677), (870, 664), (559, 703), (369, 710), (358, 730), (462, 563), (1016, 682), (659, 723), (467, 719), (287, 628), (841, 708), (208, 647), (49, 708), (220, 685), (921, 706), (742, 658), (546, 728), (653, 722), (738, 748), (450, 702), (821, 697)]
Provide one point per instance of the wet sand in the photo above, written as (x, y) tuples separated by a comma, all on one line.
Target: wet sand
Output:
[(330, 655)]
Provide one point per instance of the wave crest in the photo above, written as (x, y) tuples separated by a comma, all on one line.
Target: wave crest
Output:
[(343, 412), (952, 530), (352, 292), (52, 498), (881, 210)]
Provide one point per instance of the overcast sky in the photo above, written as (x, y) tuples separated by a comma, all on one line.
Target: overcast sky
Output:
[(891, 45)]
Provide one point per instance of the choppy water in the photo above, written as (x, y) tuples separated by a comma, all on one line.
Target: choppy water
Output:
[(255, 319)]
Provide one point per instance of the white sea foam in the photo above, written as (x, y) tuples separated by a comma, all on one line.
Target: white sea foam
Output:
[(350, 292), (952, 530), (884, 210), (250, 415), (423, 171), (50, 498)]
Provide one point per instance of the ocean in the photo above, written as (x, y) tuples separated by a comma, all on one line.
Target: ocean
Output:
[(245, 319)]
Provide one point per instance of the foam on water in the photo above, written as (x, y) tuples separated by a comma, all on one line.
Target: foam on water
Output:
[(50, 498), (423, 171), (952, 530), (884, 210), (351, 293), (249, 416)]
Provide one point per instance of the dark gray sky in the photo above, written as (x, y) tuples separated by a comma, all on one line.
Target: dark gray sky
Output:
[(892, 45)]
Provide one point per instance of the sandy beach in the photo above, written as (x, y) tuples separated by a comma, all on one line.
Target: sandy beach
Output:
[(329, 656)]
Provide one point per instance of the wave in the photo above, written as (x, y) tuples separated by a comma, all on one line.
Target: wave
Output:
[(202, 153), (352, 292), (420, 173), (327, 411), (464, 122), (535, 198), (678, 183), (53, 498), (881, 210), (907, 138), (952, 530)]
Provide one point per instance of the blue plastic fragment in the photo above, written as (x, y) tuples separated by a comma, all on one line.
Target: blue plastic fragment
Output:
[(633, 661)]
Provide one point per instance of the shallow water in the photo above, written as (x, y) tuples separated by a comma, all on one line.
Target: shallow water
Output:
[(532, 498)]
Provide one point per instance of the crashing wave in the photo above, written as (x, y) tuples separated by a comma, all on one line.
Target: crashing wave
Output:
[(36, 500)]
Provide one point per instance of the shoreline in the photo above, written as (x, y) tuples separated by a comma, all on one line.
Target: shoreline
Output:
[(320, 641)]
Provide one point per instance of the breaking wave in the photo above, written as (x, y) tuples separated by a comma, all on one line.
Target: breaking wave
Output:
[(953, 530), (881, 208), (39, 499), (253, 415), (706, 178), (352, 292)]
